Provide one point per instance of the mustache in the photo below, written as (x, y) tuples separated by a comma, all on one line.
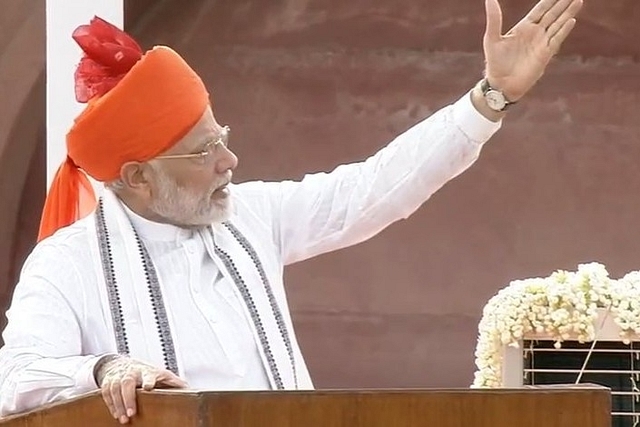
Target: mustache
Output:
[(223, 182)]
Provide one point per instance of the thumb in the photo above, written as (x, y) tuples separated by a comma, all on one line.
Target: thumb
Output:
[(493, 31), (169, 379)]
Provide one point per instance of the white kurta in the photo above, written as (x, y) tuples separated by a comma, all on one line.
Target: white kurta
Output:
[(59, 323), (208, 307)]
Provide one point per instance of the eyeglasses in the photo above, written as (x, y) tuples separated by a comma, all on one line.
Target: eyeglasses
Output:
[(209, 148)]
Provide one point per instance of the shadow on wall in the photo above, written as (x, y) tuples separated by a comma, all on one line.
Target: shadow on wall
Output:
[(29, 135), (22, 129)]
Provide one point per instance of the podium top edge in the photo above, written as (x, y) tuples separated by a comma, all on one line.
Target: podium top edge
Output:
[(553, 388)]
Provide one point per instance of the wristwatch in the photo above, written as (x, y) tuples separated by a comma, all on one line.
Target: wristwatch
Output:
[(496, 100)]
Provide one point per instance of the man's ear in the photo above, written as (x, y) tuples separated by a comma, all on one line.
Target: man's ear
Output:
[(135, 176)]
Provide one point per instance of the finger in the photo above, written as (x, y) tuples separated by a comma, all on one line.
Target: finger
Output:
[(554, 13), (538, 11), (106, 396), (569, 13), (493, 30), (119, 411), (128, 390), (561, 35), (149, 378)]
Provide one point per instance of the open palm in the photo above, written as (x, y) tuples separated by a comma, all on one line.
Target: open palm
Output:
[(516, 60)]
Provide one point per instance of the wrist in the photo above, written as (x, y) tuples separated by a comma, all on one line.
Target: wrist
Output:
[(101, 366), (500, 86), (480, 103)]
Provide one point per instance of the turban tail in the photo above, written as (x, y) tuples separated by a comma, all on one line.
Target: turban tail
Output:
[(138, 106)]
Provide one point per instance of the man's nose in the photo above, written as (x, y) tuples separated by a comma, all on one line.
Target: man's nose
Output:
[(226, 161)]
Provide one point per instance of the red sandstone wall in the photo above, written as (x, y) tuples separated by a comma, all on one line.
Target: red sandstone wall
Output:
[(22, 129), (308, 85)]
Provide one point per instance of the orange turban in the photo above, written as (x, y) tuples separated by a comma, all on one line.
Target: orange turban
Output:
[(138, 107)]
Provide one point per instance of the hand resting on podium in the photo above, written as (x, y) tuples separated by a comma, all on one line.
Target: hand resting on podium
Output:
[(120, 376)]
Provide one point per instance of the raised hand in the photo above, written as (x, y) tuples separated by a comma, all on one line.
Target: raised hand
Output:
[(119, 378), (516, 60)]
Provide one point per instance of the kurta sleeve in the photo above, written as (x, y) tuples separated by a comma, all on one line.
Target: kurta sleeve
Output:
[(41, 359), (329, 211)]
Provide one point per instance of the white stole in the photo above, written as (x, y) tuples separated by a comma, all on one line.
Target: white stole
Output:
[(132, 294)]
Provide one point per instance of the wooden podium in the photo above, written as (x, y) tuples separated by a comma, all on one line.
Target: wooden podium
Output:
[(540, 407)]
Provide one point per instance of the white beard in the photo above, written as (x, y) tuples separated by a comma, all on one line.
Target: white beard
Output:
[(183, 207)]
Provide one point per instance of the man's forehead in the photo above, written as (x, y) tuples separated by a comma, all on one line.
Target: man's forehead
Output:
[(206, 127)]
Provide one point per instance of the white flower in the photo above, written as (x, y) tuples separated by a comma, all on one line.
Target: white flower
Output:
[(562, 306)]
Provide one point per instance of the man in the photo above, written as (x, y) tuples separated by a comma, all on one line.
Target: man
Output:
[(175, 278)]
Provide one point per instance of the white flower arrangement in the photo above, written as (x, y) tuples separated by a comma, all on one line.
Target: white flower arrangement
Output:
[(563, 306)]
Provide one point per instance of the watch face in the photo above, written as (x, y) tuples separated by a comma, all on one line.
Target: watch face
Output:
[(495, 100)]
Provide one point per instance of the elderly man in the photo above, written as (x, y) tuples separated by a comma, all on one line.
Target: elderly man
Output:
[(174, 277)]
